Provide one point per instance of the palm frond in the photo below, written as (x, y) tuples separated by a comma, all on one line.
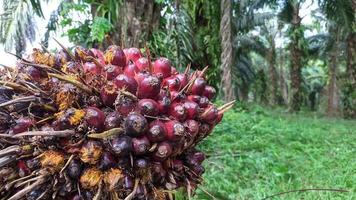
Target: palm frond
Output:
[(339, 11), (16, 22)]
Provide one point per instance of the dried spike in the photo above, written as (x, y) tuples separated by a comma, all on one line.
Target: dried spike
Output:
[(15, 86), (20, 194), (132, 194), (10, 150), (17, 185), (227, 105), (67, 163), (9, 185), (225, 109), (6, 160), (95, 61), (45, 119), (128, 94), (65, 49), (187, 69), (19, 100), (64, 133), (11, 69), (17, 56), (44, 67), (99, 192), (202, 73), (206, 112), (107, 134), (73, 82)]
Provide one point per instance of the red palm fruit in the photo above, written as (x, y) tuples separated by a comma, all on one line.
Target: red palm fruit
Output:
[(112, 71), (175, 130), (124, 104), (209, 92), (204, 130), (21, 125), (142, 64), (113, 120), (108, 94), (194, 98), (177, 165), (210, 114), (135, 125), (141, 75), (191, 108), (162, 67), (203, 102), (125, 82), (131, 70), (192, 127), (132, 54), (148, 107), (23, 168), (140, 145), (157, 131), (149, 87), (178, 111), (91, 67), (183, 79), (95, 117), (74, 169), (164, 101), (33, 73), (162, 152), (99, 55), (172, 82), (107, 161), (114, 55), (198, 86), (121, 146)]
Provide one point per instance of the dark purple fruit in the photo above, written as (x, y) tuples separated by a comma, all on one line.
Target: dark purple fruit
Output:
[(113, 120), (140, 145), (162, 152), (157, 131), (74, 169), (135, 125), (121, 145), (95, 117), (107, 161)]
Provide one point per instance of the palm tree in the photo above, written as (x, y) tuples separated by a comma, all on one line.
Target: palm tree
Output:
[(226, 49), (17, 25), (342, 13)]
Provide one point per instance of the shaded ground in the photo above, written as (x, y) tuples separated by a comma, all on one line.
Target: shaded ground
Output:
[(259, 153)]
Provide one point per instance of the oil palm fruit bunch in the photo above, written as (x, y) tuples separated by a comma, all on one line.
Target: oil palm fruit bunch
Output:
[(102, 125)]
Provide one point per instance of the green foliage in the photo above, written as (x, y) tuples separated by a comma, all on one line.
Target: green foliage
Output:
[(262, 152), (81, 29), (99, 28)]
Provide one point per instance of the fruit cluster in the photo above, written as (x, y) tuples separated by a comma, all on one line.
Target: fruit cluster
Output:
[(102, 125)]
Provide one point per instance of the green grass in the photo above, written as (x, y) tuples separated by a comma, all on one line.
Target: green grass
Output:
[(258, 153)]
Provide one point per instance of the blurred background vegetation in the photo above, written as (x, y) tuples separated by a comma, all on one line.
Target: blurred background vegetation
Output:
[(295, 56)]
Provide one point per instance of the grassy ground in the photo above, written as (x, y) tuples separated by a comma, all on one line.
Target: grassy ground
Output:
[(258, 153)]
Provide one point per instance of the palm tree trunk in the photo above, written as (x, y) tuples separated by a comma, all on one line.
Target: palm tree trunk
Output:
[(350, 85), (296, 64), (332, 88), (138, 19), (282, 82), (226, 47), (333, 100), (273, 77)]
